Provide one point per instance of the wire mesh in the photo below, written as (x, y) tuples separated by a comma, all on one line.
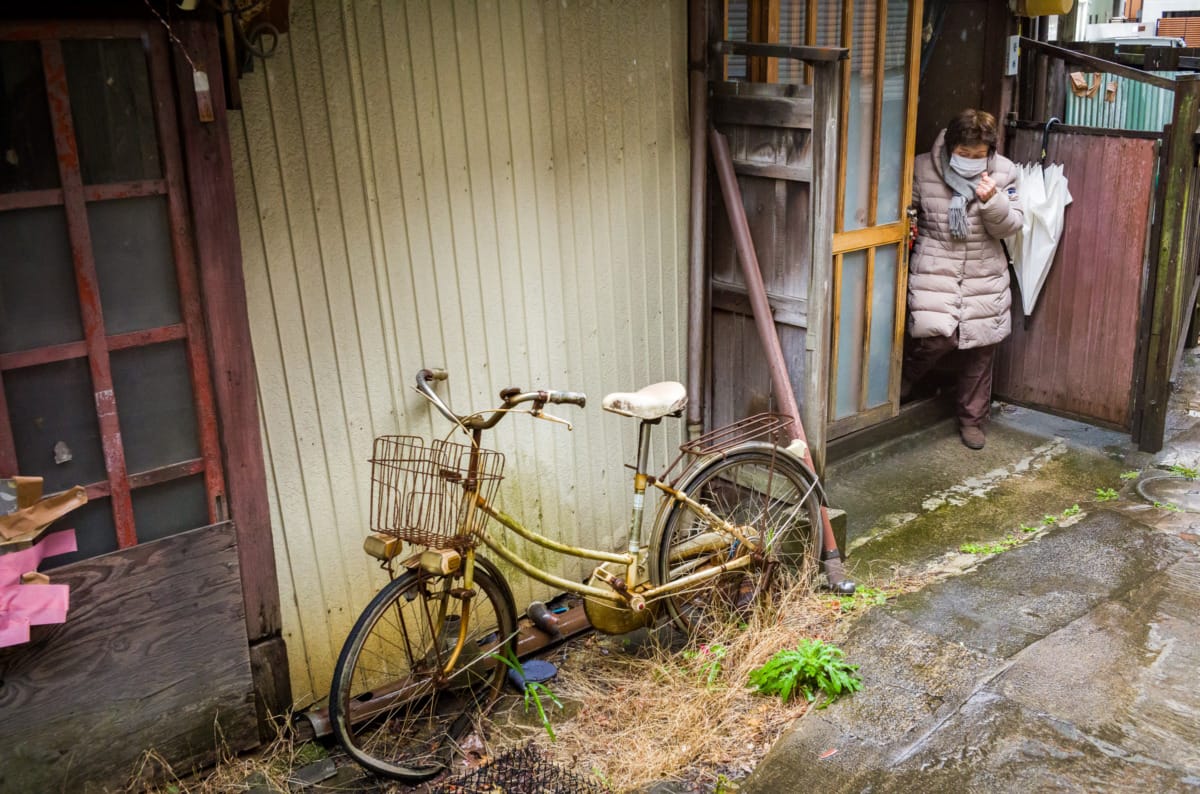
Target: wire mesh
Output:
[(425, 494), (521, 771)]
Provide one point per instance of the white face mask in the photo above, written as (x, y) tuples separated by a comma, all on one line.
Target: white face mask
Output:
[(968, 166)]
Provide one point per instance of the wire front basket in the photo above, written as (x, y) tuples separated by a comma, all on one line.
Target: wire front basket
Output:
[(426, 494)]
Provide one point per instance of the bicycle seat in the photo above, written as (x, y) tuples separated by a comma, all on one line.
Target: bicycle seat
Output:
[(650, 403)]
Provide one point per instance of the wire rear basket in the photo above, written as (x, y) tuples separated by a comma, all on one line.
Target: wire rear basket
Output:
[(424, 494), (760, 427)]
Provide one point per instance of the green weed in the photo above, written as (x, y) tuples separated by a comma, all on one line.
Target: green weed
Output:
[(708, 659), (1130, 475), (534, 691), (1048, 519), (1185, 471), (991, 548), (1105, 494), (811, 668), (1167, 506), (863, 597), (1073, 510)]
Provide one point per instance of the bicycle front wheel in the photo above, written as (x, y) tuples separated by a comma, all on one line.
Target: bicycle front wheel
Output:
[(772, 501), (394, 705)]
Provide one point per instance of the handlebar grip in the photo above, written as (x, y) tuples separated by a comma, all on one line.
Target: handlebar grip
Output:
[(569, 397), (432, 374)]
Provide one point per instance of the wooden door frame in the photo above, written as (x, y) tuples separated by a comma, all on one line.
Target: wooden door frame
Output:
[(209, 164), (869, 238)]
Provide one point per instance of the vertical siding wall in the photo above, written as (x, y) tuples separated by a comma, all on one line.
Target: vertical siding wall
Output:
[(499, 188)]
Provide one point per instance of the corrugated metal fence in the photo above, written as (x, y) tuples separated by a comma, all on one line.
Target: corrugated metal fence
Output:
[(497, 187), (1129, 106)]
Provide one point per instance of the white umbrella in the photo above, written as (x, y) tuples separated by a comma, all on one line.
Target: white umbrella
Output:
[(1045, 197)]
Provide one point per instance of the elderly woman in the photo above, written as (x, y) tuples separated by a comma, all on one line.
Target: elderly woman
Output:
[(958, 295)]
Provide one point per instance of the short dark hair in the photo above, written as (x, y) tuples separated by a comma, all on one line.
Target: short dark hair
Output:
[(972, 127)]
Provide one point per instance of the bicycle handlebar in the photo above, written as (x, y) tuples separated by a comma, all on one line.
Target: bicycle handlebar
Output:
[(510, 396)]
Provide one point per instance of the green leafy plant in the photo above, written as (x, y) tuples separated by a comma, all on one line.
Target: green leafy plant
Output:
[(1073, 510), (534, 691), (811, 668), (1167, 506), (863, 597), (708, 659), (1028, 528), (991, 548), (1048, 519), (1130, 475), (1185, 471), (1105, 494)]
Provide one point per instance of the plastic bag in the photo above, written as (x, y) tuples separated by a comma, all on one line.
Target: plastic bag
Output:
[(1045, 197)]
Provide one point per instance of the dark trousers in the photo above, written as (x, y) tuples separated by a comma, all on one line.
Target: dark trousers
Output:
[(974, 373)]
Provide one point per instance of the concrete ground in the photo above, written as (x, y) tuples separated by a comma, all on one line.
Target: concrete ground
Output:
[(1068, 662)]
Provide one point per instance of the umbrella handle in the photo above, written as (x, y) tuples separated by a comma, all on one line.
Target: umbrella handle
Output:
[(1046, 135)]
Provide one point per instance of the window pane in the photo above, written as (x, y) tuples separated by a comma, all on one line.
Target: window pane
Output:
[(114, 116), (850, 332), (738, 20), (153, 388), (27, 157), (38, 302), (170, 508), (131, 241), (52, 409), (94, 532), (892, 117), (860, 129), (793, 21), (883, 318), (829, 23)]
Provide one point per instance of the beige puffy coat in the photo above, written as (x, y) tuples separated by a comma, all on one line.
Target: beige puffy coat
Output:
[(961, 284)]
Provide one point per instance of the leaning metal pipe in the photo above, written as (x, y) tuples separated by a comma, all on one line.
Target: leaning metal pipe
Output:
[(697, 288), (765, 323)]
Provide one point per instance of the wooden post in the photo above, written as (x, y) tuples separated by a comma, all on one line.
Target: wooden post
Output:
[(826, 115), (1165, 293)]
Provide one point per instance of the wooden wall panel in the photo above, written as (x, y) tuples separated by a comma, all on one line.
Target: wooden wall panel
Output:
[(497, 187), (1077, 355), (153, 656)]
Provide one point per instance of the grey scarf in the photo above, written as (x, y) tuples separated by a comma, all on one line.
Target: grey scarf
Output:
[(964, 192)]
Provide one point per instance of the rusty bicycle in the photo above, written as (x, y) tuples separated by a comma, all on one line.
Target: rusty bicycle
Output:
[(421, 662)]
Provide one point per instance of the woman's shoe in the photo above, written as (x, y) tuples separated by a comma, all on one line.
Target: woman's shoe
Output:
[(972, 436)]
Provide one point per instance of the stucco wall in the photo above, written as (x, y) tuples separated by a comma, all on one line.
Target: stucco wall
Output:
[(499, 188)]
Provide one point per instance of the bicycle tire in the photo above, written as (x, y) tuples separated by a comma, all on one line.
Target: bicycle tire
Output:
[(755, 486), (391, 705)]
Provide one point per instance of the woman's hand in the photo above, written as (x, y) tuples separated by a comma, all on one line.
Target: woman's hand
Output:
[(985, 188)]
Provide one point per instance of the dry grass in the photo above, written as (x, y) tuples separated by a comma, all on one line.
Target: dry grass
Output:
[(634, 716), (663, 713)]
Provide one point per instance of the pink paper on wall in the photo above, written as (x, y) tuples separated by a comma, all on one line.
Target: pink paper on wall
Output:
[(25, 605)]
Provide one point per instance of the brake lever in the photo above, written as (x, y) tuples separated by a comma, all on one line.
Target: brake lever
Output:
[(538, 413)]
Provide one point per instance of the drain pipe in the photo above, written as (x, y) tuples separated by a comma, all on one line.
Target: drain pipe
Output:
[(697, 317), (781, 383)]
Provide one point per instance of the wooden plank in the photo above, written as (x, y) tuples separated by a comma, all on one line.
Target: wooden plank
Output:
[(1097, 64), (88, 286), (789, 173), (809, 55), (153, 656), (207, 155), (825, 145), (766, 111), (190, 297), (784, 308), (1167, 309), (30, 199), (876, 130), (871, 236)]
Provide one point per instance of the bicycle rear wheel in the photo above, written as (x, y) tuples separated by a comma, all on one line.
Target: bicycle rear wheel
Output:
[(392, 704), (772, 500)]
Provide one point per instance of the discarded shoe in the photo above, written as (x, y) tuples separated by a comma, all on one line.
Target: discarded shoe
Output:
[(972, 436)]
